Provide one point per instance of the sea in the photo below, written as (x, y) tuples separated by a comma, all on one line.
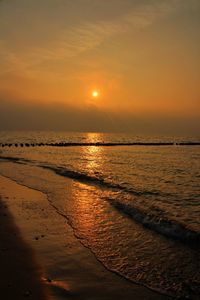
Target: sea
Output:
[(134, 201)]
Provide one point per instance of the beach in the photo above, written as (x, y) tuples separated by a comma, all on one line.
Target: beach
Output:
[(42, 259), (100, 149), (99, 221)]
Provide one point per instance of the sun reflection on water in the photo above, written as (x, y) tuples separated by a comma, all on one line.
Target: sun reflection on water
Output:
[(88, 209), (94, 155), (94, 137)]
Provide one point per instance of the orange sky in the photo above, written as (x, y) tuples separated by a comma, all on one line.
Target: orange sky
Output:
[(141, 56)]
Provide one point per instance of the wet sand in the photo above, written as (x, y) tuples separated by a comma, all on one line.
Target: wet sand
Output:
[(41, 259)]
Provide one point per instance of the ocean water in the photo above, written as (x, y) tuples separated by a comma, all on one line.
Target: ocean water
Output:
[(136, 207)]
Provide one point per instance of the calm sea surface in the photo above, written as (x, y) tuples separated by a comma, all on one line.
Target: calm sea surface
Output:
[(137, 208)]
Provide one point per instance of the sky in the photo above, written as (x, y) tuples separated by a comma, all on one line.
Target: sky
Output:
[(141, 57)]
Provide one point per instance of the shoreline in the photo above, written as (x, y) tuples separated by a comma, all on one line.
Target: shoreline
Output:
[(60, 265)]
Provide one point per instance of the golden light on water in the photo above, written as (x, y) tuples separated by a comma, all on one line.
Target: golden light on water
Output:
[(94, 155)]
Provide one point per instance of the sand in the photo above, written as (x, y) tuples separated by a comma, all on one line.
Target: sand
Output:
[(41, 258), (20, 274)]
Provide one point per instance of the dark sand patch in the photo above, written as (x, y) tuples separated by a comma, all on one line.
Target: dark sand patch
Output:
[(20, 276)]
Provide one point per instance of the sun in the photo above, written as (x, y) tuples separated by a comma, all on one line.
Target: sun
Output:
[(95, 94)]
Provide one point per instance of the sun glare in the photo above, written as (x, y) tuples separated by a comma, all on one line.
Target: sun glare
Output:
[(95, 94)]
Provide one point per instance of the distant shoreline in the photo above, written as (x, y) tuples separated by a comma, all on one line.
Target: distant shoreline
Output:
[(98, 144)]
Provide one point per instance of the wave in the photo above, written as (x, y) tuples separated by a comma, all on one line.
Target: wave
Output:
[(153, 221), (85, 178), (15, 159), (169, 228)]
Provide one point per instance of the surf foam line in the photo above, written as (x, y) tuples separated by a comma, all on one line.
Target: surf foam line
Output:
[(169, 228)]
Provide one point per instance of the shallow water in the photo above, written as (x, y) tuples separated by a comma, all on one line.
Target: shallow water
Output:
[(135, 207)]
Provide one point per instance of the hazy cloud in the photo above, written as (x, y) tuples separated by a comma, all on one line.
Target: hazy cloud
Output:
[(59, 50), (70, 42)]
